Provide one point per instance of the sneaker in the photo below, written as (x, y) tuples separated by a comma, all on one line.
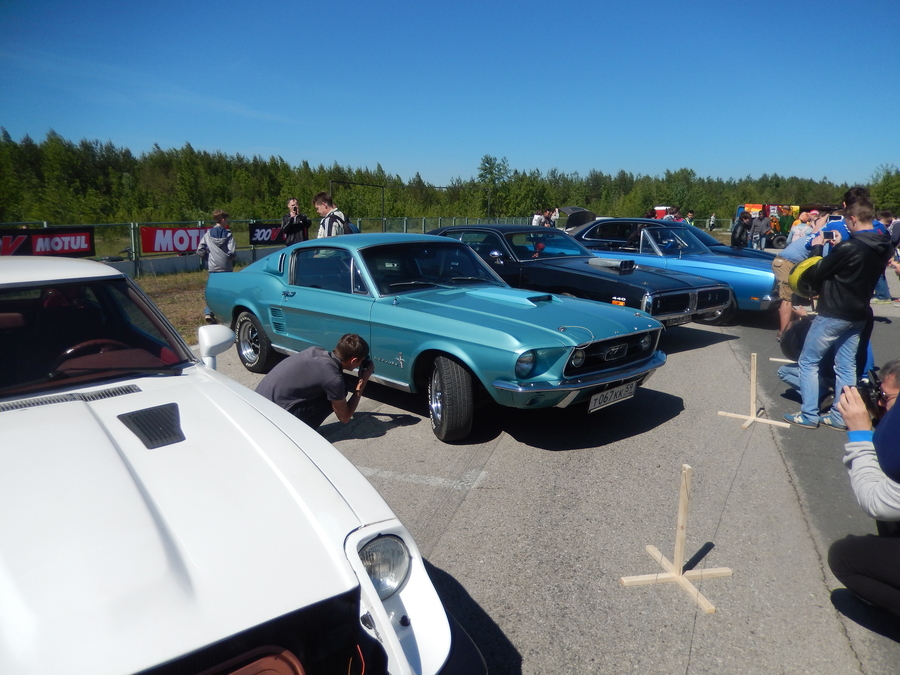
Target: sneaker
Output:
[(797, 418), (881, 301), (829, 421)]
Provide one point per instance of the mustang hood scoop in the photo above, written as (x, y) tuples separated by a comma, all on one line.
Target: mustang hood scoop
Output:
[(503, 295), (155, 427)]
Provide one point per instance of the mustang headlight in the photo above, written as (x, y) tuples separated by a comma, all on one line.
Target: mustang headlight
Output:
[(577, 358), (386, 560), (525, 364), (646, 342)]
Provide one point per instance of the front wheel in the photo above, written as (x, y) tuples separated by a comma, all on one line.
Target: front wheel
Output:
[(779, 241), (450, 400), (719, 317), (253, 346)]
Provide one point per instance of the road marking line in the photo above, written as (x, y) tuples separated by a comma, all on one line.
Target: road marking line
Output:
[(467, 481)]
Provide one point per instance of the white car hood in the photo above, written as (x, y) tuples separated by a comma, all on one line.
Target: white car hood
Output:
[(132, 556)]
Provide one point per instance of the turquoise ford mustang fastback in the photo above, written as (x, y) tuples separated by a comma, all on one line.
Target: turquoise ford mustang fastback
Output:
[(437, 320)]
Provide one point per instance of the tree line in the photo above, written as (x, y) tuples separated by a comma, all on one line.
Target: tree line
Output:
[(90, 182)]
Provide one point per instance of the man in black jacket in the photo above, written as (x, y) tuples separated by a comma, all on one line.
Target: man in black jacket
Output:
[(295, 225), (844, 281)]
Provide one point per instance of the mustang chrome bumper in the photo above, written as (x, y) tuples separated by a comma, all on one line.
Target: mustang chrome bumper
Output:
[(560, 393)]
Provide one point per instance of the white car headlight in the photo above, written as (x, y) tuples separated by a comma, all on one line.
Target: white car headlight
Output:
[(387, 562), (525, 364), (646, 341)]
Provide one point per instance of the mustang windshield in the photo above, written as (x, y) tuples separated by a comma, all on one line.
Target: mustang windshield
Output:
[(670, 241), (398, 268), (54, 333)]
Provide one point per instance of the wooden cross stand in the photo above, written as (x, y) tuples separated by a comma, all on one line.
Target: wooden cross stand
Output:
[(674, 571), (752, 417)]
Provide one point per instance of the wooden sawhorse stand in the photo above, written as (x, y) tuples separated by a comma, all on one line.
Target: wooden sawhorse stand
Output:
[(674, 570), (752, 417)]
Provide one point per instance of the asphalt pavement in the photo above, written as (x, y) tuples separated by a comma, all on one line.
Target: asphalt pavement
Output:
[(528, 525)]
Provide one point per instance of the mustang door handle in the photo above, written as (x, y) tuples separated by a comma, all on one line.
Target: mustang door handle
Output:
[(289, 294)]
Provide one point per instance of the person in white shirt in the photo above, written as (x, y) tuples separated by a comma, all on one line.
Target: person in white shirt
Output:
[(333, 220)]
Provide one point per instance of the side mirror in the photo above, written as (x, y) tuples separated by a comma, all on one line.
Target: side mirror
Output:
[(497, 257), (214, 340)]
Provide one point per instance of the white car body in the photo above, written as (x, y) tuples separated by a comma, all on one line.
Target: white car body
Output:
[(117, 557)]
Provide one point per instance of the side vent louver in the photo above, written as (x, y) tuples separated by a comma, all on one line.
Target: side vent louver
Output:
[(156, 427), (277, 315)]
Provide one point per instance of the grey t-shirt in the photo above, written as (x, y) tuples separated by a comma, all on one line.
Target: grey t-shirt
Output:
[(302, 377)]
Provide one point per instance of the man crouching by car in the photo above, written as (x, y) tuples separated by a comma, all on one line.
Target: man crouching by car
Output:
[(310, 384)]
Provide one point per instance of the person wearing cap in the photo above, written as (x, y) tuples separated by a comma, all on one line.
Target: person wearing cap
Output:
[(801, 227)]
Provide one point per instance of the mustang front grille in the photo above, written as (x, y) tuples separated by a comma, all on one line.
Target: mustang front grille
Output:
[(614, 353)]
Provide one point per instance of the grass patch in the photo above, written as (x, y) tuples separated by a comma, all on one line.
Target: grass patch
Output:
[(181, 297)]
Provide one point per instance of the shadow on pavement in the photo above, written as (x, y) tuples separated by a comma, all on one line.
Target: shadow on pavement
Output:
[(872, 618), (539, 428), (685, 338), (574, 428), (367, 425), (498, 652)]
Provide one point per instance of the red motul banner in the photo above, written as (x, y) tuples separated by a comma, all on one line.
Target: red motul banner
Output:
[(171, 239), (71, 242)]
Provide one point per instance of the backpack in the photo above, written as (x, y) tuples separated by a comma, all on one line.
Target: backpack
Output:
[(346, 226)]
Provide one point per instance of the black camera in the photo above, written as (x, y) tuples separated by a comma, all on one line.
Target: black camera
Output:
[(365, 363), (870, 389)]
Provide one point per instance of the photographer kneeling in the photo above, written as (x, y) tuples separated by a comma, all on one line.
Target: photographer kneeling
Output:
[(310, 384), (870, 565)]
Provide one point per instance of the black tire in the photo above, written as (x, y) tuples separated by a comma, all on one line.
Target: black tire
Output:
[(253, 346), (779, 241), (719, 318), (450, 400)]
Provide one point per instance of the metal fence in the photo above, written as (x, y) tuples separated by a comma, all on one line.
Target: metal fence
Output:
[(121, 242)]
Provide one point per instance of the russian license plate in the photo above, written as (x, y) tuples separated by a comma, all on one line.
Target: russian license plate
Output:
[(610, 396), (678, 320)]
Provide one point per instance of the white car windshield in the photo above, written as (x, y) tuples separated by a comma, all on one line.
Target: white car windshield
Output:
[(53, 333)]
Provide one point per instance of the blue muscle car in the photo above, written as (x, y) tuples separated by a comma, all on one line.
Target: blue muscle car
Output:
[(437, 320), (545, 259), (666, 245)]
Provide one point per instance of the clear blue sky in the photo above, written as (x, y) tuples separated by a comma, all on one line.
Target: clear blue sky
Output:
[(805, 88)]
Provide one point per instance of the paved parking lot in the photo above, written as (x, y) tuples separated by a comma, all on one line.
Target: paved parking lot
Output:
[(529, 525)]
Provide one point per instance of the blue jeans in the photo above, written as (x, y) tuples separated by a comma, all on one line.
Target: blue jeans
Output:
[(827, 332), (881, 289), (790, 375)]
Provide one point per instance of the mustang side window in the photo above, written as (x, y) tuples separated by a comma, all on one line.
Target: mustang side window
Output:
[(324, 268)]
